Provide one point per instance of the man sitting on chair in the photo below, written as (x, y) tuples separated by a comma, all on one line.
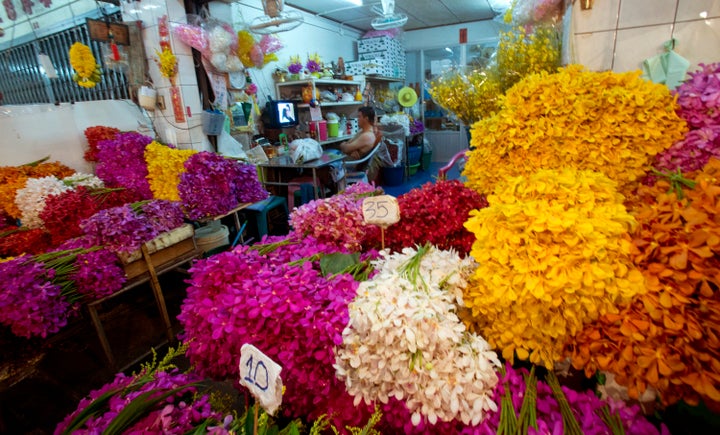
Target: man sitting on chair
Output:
[(364, 141)]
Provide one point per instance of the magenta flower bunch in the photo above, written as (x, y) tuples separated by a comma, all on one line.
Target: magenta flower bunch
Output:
[(286, 309), (31, 304), (699, 96), (338, 219), (170, 403), (121, 162), (98, 274), (213, 185), (698, 100)]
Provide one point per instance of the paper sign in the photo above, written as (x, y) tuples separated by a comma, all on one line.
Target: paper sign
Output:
[(381, 210), (261, 375), (315, 113)]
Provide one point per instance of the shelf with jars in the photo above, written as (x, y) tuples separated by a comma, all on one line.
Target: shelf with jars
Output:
[(346, 92)]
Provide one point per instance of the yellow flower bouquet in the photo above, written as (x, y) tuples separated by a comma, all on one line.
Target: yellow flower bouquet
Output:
[(165, 165), (87, 71), (167, 62), (602, 121), (554, 254)]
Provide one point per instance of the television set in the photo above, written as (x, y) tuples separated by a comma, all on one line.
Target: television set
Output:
[(281, 114)]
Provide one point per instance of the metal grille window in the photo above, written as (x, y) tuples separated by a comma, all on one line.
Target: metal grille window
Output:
[(22, 80)]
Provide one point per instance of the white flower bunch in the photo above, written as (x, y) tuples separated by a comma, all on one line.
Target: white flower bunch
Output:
[(81, 179), (30, 200), (405, 340)]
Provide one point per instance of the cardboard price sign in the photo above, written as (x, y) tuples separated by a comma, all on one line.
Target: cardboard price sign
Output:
[(261, 375), (381, 210)]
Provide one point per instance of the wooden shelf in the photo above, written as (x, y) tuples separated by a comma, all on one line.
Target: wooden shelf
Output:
[(331, 104), (384, 79), (335, 139)]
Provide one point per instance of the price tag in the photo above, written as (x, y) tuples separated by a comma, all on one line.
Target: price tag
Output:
[(261, 375), (381, 210)]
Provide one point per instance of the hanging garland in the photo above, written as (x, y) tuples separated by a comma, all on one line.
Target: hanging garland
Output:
[(87, 71)]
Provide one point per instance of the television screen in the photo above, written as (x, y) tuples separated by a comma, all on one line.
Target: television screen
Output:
[(283, 114)]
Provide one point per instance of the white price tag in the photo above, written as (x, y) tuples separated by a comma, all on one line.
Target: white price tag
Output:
[(261, 375), (381, 210)]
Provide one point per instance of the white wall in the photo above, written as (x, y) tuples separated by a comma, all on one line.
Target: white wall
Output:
[(619, 34), (31, 132)]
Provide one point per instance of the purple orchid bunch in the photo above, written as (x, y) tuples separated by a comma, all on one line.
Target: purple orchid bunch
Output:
[(98, 273), (338, 219), (281, 303), (121, 162), (31, 303), (125, 228), (698, 100), (213, 185), (157, 402), (416, 127)]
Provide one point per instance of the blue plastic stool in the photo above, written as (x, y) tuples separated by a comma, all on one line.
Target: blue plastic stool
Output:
[(259, 212)]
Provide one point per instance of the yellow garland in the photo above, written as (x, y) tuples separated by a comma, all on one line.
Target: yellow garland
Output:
[(245, 45), (87, 71), (603, 121), (165, 165), (167, 62), (553, 253)]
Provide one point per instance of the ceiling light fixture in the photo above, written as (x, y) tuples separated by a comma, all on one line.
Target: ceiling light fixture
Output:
[(389, 19)]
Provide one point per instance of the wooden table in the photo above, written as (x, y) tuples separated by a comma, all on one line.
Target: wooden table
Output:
[(151, 275), (274, 171)]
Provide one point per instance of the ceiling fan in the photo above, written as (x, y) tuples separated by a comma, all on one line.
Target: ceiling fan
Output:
[(275, 19), (388, 18)]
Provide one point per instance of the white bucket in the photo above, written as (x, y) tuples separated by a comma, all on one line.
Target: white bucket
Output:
[(147, 97), (212, 236)]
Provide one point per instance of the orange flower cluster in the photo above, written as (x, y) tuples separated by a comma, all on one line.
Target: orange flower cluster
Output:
[(13, 178), (668, 338)]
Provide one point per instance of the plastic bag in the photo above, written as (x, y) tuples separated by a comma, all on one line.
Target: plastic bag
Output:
[(229, 147), (305, 150), (391, 155)]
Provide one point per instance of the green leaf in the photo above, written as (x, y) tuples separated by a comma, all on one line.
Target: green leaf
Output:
[(91, 410), (250, 420), (137, 409), (337, 262)]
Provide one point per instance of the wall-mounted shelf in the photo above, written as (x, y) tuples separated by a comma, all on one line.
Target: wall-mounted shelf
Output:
[(329, 104)]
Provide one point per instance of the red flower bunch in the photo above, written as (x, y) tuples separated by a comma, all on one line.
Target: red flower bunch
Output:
[(435, 213), (95, 135), (16, 241), (64, 212)]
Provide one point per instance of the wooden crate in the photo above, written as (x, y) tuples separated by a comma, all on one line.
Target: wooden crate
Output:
[(159, 258)]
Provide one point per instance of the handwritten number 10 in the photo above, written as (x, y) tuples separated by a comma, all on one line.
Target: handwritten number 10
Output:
[(254, 378)]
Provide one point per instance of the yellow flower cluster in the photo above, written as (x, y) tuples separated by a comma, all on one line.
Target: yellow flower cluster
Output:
[(165, 165), (553, 252), (475, 94), (603, 121), (167, 62), (520, 53), (87, 71)]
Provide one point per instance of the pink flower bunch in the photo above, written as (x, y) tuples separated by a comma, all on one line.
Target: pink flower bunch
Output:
[(213, 185), (289, 311), (338, 219), (98, 274), (435, 213), (699, 96), (121, 162), (31, 304), (179, 413)]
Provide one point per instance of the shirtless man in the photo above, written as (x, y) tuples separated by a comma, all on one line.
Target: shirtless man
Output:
[(363, 142)]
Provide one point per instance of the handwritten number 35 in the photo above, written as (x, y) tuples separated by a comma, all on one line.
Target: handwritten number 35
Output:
[(252, 377), (377, 209)]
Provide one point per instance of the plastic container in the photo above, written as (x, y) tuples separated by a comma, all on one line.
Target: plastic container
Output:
[(414, 168), (320, 130), (414, 153), (425, 161), (212, 236), (333, 129), (393, 176), (147, 97)]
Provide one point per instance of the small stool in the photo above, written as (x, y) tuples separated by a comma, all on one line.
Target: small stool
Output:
[(259, 211), (300, 184)]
